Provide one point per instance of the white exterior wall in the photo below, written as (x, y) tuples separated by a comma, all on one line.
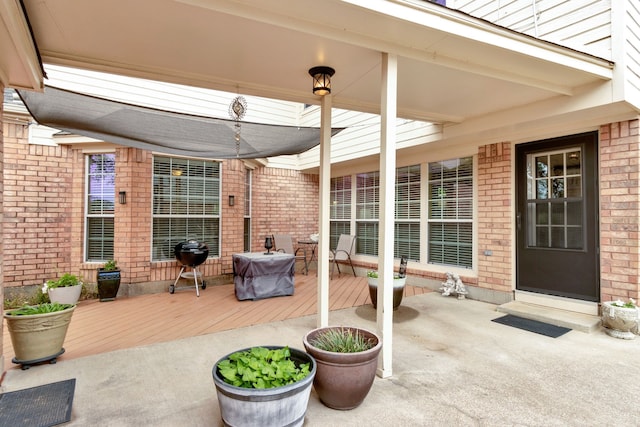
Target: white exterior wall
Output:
[(584, 25)]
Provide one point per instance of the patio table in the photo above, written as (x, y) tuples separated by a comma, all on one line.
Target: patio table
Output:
[(257, 275)]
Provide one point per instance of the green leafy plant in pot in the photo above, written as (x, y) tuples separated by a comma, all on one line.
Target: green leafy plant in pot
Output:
[(108, 281), (64, 290), (38, 331), (347, 359), (264, 386)]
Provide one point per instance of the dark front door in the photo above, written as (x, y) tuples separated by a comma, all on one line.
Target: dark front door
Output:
[(556, 217)]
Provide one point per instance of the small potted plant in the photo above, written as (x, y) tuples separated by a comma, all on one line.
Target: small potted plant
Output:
[(64, 290), (399, 281), (38, 331), (108, 280), (347, 359), (265, 386), (620, 319)]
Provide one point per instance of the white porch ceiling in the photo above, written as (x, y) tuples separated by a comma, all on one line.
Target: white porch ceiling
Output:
[(452, 67)]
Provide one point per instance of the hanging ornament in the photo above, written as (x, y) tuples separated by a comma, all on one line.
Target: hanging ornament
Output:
[(237, 110)]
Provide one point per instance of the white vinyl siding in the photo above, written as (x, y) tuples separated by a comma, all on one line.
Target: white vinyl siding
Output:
[(100, 197), (186, 204), (584, 25)]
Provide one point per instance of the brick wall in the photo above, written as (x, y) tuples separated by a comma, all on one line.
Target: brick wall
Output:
[(37, 203), (495, 229), (285, 202), (44, 213), (619, 210)]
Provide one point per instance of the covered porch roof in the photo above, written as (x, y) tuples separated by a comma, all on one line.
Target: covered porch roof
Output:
[(451, 67)]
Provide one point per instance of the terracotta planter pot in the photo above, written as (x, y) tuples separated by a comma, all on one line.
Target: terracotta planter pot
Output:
[(343, 380), (65, 294), (38, 337), (398, 291), (619, 322), (270, 407)]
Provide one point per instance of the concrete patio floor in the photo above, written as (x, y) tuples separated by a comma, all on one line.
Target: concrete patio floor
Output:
[(452, 366)]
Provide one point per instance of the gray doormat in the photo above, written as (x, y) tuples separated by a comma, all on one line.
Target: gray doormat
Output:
[(41, 406), (541, 328)]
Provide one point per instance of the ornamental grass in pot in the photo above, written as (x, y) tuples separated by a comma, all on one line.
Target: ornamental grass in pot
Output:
[(347, 359), (264, 386), (38, 331)]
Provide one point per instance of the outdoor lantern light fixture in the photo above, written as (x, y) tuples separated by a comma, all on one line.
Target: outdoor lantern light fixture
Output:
[(123, 197), (232, 200), (321, 80)]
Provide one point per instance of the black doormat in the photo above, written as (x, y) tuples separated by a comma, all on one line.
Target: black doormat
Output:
[(532, 326), (41, 406)]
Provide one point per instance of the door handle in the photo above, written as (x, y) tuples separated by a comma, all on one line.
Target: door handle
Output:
[(518, 221)]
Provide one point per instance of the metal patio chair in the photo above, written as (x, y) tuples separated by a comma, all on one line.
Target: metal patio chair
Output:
[(284, 244), (342, 252)]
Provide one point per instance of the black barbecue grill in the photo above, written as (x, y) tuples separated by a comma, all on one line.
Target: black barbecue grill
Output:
[(190, 254)]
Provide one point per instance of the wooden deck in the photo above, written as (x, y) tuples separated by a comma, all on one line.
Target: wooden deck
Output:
[(130, 322)]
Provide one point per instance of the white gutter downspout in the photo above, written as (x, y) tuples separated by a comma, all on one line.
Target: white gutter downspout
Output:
[(388, 114), (325, 194)]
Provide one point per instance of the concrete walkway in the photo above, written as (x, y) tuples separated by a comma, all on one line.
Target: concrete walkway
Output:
[(452, 366)]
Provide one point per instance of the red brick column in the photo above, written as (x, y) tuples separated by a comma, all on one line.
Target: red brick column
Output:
[(619, 211), (495, 222)]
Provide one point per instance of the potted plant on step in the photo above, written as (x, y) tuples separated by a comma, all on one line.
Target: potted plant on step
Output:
[(38, 331), (620, 319), (108, 280), (347, 359), (64, 290), (264, 386)]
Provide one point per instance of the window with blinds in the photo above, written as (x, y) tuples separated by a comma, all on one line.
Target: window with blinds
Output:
[(407, 213), (100, 206), (450, 201), (340, 209), (367, 211), (186, 204)]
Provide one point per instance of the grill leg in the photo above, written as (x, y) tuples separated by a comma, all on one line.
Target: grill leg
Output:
[(195, 279), (172, 288)]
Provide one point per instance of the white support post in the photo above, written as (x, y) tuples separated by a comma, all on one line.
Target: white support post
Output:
[(388, 112), (323, 221)]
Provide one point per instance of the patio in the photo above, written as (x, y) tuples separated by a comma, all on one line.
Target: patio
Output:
[(148, 319), (453, 366)]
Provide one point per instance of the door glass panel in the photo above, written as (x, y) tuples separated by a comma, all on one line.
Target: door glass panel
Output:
[(574, 213), (557, 187), (542, 214), (542, 186), (557, 164), (555, 214), (542, 168), (574, 186), (557, 237)]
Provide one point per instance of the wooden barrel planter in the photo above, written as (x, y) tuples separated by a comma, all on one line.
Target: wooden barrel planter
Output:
[(270, 407)]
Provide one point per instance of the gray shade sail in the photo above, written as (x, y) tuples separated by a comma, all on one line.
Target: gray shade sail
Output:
[(164, 131)]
